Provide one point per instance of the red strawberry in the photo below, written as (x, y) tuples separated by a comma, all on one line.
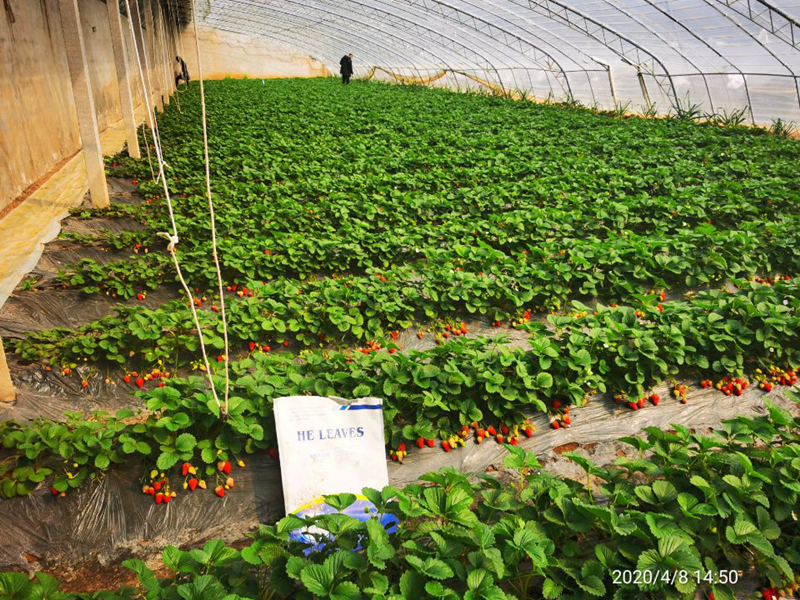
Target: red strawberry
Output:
[(556, 404), (446, 446), (499, 438), (655, 399), (419, 334), (491, 430), (220, 358), (224, 466), (135, 182), (392, 350), (529, 431), (192, 483), (167, 498), (159, 498), (140, 296), (252, 346), (402, 447), (446, 334), (157, 485), (660, 308), (127, 379), (633, 406), (566, 420), (53, 491), (431, 443), (641, 402), (503, 428), (438, 342), (266, 348), (220, 491), (273, 453), (421, 443), (513, 441), (555, 425), (185, 469), (285, 342), (139, 381), (463, 328), (84, 384)]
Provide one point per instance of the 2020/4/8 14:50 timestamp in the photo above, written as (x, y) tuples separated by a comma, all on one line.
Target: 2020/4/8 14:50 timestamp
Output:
[(651, 577)]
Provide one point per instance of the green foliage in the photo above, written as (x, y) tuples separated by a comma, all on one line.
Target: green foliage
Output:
[(708, 506), (429, 393)]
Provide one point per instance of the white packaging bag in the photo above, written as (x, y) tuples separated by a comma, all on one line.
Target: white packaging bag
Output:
[(329, 446)]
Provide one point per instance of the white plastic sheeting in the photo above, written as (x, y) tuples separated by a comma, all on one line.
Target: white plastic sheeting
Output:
[(663, 55)]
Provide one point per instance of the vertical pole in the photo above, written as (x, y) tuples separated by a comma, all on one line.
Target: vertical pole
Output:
[(139, 43), (156, 74), (84, 101), (163, 63), (7, 394), (645, 93), (611, 85), (123, 78), (169, 55)]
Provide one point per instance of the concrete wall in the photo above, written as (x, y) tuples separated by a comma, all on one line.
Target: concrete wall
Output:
[(227, 54), (38, 124)]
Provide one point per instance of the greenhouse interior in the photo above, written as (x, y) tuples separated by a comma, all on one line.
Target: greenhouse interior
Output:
[(400, 299)]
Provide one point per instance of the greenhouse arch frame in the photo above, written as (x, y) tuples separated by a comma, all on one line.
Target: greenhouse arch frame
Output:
[(707, 56)]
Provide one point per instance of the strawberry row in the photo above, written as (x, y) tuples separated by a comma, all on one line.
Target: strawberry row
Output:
[(687, 256), (434, 393), (463, 279)]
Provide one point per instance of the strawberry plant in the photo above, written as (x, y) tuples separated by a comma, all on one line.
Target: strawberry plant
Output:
[(688, 517)]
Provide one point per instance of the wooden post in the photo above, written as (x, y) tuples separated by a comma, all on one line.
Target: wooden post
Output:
[(84, 101), (7, 394), (136, 21), (156, 75), (123, 78)]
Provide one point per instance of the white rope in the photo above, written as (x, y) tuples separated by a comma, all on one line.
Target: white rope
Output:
[(173, 237), (211, 206)]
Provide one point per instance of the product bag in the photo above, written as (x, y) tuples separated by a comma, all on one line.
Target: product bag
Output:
[(330, 446)]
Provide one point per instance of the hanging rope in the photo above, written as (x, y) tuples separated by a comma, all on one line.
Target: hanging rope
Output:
[(211, 205), (173, 238)]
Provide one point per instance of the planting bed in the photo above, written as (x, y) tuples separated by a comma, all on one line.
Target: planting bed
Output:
[(497, 271)]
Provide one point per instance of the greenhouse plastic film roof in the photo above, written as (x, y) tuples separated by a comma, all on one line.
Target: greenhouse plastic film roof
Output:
[(714, 56)]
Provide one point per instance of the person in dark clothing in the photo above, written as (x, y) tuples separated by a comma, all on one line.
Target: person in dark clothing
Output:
[(183, 72), (346, 68)]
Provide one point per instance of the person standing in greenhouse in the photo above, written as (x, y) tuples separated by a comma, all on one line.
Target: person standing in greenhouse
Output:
[(183, 72), (346, 68)]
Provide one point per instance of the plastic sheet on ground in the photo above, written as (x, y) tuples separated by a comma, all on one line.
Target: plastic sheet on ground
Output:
[(102, 523), (111, 520)]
